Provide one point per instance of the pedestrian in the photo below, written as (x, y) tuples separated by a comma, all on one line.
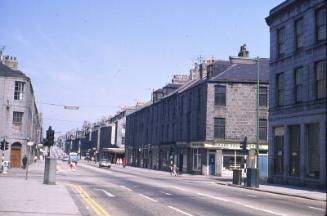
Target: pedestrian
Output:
[(174, 172), (124, 162), (24, 160), (35, 158), (171, 168)]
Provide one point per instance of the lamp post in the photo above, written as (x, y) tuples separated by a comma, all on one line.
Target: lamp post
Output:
[(257, 112), (29, 144)]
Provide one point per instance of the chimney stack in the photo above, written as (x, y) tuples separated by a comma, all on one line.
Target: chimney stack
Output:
[(9, 61), (243, 52)]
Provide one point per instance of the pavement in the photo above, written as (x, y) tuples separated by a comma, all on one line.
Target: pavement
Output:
[(19, 196), (227, 179), (31, 197)]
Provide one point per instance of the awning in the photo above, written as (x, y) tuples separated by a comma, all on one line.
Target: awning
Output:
[(115, 150)]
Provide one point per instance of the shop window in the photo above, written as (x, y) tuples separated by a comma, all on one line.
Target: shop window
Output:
[(196, 160), (294, 150), (313, 151), (278, 150)]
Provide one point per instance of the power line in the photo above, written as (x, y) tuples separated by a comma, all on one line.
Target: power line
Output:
[(83, 106)]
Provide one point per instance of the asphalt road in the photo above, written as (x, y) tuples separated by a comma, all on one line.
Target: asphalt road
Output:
[(141, 192)]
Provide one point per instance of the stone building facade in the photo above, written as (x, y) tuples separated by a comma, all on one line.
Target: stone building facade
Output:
[(200, 125), (20, 120), (297, 121)]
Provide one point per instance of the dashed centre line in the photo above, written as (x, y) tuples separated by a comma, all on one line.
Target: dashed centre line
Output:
[(319, 209), (146, 197), (168, 194), (180, 211), (106, 193), (242, 204), (122, 186)]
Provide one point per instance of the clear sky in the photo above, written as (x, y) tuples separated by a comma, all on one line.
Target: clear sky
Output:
[(102, 55)]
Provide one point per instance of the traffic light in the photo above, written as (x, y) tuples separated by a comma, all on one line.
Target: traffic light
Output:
[(4, 145), (244, 144), (50, 137)]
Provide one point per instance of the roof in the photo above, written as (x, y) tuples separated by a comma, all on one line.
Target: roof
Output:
[(8, 72), (244, 72)]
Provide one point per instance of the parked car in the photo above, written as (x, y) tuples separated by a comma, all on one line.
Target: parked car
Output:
[(104, 163)]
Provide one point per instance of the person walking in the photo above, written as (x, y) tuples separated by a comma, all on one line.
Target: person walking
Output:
[(24, 160), (174, 171)]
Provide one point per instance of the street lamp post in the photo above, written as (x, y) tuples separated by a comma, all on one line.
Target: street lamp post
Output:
[(257, 112), (29, 144)]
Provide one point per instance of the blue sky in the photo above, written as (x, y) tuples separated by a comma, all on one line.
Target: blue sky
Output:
[(102, 55)]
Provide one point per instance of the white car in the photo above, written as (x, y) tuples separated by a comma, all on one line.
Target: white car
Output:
[(104, 163)]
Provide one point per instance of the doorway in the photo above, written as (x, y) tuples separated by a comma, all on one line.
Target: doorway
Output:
[(212, 164), (15, 155)]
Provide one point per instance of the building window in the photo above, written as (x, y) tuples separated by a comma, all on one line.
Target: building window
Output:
[(321, 79), (298, 74), (281, 42), (280, 89), (220, 95), (313, 151), (219, 128), (19, 90), (294, 150), (299, 33), (196, 160), (321, 24), (278, 150), (263, 96), (263, 129), (17, 118)]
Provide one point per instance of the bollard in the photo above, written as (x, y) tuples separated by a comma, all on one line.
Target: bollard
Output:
[(5, 165), (50, 171), (252, 177), (237, 176)]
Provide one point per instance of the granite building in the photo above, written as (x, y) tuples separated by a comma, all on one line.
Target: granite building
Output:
[(199, 126), (20, 121), (297, 112)]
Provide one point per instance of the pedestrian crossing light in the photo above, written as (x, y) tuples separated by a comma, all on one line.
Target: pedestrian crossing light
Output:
[(244, 144), (4, 145)]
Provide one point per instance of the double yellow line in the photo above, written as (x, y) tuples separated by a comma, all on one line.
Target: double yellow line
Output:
[(97, 208)]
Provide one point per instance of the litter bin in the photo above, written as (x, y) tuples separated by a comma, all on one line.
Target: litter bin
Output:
[(252, 177), (237, 176)]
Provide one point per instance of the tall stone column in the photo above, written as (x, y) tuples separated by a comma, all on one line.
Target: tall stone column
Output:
[(219, 162), (286, 152), (322, 142), (303, 153)]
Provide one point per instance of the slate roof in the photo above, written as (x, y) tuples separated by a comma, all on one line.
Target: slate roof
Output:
[(8, 72), (244, 72)]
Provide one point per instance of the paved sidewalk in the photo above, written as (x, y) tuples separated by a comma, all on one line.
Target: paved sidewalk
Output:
[(31, 197), (227, 177)]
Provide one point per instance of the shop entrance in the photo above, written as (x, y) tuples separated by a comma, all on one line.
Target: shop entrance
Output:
[(212, 164)]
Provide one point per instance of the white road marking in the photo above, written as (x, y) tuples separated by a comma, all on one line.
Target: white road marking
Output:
[(146, 197), (122, 186), (252, 195), (165, 193), (180, 211), (320, 209), (106, 193), (242, 204), (178, 188)]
